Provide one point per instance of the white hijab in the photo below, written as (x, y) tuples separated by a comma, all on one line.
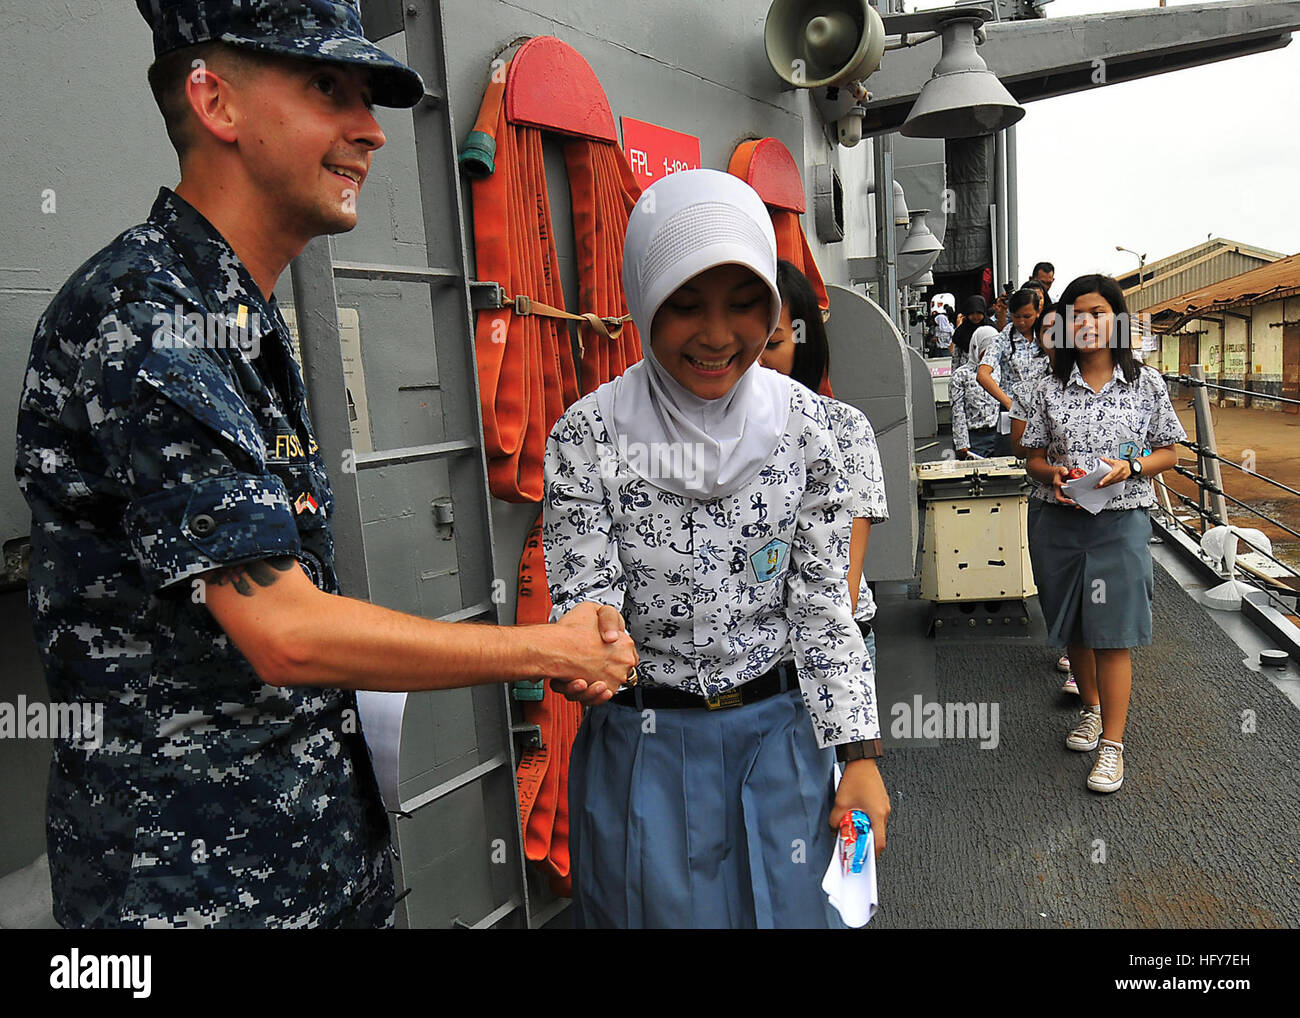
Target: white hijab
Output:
[(980, 341), (682, 225)]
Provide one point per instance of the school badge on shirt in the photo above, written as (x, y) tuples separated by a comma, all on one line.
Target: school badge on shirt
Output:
[(768, 560)]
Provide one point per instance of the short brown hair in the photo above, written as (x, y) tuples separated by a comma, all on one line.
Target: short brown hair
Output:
[(167, 76)]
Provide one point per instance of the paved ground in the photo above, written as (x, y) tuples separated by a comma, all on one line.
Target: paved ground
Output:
[(1203, 833)]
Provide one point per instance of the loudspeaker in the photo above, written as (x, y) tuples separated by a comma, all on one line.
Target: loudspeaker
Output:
[(811, 43)]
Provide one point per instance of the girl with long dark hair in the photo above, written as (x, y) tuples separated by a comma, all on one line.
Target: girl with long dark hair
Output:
[(1094, 571)]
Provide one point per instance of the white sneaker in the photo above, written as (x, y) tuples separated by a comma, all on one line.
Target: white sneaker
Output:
[(1070, 685), (1108, 771), (1063, 663), (1087, 732)]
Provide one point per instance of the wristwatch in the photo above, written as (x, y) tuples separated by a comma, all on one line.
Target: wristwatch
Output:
[(1135, 466), (868, 749)]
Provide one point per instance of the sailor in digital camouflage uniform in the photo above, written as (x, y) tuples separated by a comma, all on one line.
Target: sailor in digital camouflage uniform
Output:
[(162, 434)]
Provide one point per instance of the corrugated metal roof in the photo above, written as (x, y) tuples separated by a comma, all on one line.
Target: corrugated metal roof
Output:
[(1208, 269), (1268, 282), (1170, 262)]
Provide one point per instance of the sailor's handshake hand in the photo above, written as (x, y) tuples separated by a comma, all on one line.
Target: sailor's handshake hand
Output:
[(600, 658)]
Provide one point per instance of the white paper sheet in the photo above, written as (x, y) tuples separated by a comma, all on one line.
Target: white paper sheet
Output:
[(1085, 490), (381, 724)]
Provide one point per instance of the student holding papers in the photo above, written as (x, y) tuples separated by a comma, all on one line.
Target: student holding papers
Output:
[(1089, 423)]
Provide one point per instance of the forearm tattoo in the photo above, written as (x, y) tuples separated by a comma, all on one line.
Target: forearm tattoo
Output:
[(263, 572)]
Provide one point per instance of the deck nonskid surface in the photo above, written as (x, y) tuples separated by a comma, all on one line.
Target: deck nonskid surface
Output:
[(1203, 833)]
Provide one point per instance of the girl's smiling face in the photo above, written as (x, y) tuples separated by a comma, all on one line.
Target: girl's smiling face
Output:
[(1091, 322), (709, 330)]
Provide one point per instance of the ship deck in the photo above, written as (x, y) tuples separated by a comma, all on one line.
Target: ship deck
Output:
[(1201, 835)]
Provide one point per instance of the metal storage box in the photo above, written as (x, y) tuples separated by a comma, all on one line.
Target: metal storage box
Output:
[(976, 546)]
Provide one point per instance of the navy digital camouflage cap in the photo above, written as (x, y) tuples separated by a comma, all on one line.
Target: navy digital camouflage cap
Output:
[(313, 29)]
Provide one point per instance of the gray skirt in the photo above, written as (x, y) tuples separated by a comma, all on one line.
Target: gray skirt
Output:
[(1035, 511), (701, 819), (1094, 575)]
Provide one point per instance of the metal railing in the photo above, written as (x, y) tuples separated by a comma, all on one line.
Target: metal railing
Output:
[(1205, 514), (1209, 484), (1200, 383)]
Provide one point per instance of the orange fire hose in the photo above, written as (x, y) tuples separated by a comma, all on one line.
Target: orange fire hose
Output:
[(543, 773), (527, 375)]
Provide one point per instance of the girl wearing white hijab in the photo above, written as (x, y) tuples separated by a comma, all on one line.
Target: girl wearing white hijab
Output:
[(702, 495)]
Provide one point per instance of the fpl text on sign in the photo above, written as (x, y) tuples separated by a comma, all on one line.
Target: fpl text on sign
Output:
[(653, 152)]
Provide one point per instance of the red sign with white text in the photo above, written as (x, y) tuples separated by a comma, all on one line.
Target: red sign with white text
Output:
[(654, 152)]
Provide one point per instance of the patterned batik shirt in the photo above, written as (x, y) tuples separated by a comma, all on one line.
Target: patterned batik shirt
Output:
[(163, 432), (1022, 395), (1022, 389), (1078, 426), (865, 477), (715, 592), (972, 406), (1016, 363)]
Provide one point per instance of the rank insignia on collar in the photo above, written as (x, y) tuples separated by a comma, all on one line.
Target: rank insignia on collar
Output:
[(305, 503)]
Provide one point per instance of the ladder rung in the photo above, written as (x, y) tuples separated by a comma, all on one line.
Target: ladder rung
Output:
[(460, 781), (474, 611), (489, 920), (413, 454), (398, 273)]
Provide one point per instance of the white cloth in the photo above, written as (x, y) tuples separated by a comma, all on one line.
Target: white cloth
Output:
[(853, 895), (717, 592), (682, 225)]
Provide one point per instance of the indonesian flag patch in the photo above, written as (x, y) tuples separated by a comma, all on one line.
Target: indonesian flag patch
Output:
[(305, 503)]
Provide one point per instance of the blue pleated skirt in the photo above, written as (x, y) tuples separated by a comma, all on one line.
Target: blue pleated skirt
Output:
[(701, 819), (1094, 575)]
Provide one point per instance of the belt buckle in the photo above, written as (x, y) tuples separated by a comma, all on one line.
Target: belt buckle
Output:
[(731, 698)]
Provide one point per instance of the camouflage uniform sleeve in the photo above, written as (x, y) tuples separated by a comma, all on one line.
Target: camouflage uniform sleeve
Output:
[(186, 450)]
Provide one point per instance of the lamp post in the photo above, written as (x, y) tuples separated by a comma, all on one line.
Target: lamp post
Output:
[(1142, 302), (1142, 261)]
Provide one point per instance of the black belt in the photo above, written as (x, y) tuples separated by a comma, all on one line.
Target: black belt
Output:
[(990, 430), (780, 679)]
